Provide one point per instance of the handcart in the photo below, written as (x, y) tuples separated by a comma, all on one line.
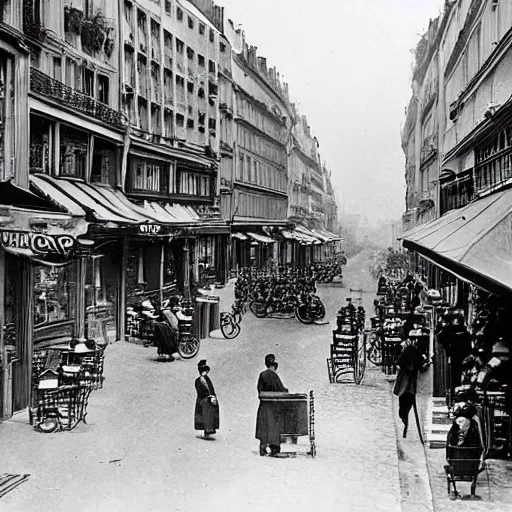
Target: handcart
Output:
[(347, 359), (463, 465), (497, 423), (295, 414)]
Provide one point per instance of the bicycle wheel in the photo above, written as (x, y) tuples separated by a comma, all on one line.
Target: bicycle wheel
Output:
[(229, 327), (188, 347), (302, 314), (375, 350), (259, 309)]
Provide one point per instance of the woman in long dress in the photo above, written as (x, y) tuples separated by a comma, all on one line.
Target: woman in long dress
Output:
[(206, 416)]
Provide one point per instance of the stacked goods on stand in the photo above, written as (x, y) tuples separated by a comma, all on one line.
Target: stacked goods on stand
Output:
[(62, 379)]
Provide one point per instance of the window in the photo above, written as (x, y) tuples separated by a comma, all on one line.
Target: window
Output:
[(73, 152), (190, 23), (205, 186), (168, 123), (200, 60), (129, 67), (212, 36), (57, 68), (190, 124), (168, 87), (143, 75), (180, 120), (143, 41), (103, 161), (103, 89), (223, 47), (180, 46), (190, 53), (147, 175), (54, 294), (190, 87), (88, 82), (179, 14), (156, 125), (200, 92), (143, 114), (41, 145), (155, 40), (201, 28), (167, 49), (211, 66)]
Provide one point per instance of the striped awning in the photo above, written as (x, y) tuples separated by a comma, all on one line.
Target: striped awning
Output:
[(261, 238), (102, 204)]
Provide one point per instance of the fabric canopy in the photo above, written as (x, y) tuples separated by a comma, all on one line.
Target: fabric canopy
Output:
[(474, 242), (261, 238), (240, 236), (305, 235), (103, 204)]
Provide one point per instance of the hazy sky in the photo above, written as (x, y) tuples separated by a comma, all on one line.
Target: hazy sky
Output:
[(348, 63)]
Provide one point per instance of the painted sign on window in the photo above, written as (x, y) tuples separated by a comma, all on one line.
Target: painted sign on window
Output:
[(38, 243)]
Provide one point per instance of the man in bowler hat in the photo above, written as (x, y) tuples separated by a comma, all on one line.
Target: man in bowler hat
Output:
[(267, 426)]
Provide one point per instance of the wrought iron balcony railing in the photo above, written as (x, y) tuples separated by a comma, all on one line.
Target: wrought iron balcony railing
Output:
[(45, 85)]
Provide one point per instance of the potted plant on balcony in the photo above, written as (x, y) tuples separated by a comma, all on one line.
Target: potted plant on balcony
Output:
[(94, 33), (73, 19)]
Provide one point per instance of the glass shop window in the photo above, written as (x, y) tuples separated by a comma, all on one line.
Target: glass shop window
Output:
[(54, 294), (41, 145), (103, 161), (73, 152)]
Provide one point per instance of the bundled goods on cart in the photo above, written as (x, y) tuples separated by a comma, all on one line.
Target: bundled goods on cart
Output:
[(350, 320)]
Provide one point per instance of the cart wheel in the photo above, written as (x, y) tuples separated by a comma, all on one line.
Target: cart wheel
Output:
[(360, 359), (258, 309), (48, 425), (228, 326), (302, 314)]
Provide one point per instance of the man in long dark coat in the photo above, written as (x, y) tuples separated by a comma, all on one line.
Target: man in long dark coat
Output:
[(206, 414), (267, 425)]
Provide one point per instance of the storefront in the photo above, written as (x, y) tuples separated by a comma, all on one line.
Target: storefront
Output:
[(40, 251)]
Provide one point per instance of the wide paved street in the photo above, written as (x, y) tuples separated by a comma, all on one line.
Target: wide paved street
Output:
[(140, 452)]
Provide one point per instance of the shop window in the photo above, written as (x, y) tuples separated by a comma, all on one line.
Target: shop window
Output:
[(179, 14), (103, 89), (54, 294), (41, 145), (73, 152), (103, 161), (201, 29)]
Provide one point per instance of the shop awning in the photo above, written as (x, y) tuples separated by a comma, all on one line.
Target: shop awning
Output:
[(103, 204), (261, 238), (240, 236), (287, 234), (474, 242), (305, 235)]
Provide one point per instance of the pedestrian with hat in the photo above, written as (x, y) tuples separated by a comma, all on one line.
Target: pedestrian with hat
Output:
[(206, 415), (267, 424)]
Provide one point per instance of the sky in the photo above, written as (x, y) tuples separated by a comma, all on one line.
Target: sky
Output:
[(349, 67)]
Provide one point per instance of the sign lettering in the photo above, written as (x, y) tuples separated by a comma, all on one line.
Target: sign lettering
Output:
[(38, 243), (150, 229)]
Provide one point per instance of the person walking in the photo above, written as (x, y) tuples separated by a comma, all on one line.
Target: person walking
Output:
[(267, 424), (206, 416), (409, 362)]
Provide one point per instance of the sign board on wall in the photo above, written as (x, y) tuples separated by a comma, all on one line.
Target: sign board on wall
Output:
[(150, 229), (38, 243)]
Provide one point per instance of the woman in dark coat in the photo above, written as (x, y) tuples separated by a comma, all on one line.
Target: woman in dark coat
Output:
[(206, 415), (406, 382), (267, 425)]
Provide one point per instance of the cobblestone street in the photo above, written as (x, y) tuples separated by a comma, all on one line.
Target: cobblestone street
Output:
[(140, 452)]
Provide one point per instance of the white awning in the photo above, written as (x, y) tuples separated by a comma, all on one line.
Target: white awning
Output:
[(240, 236), (261, 238)]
